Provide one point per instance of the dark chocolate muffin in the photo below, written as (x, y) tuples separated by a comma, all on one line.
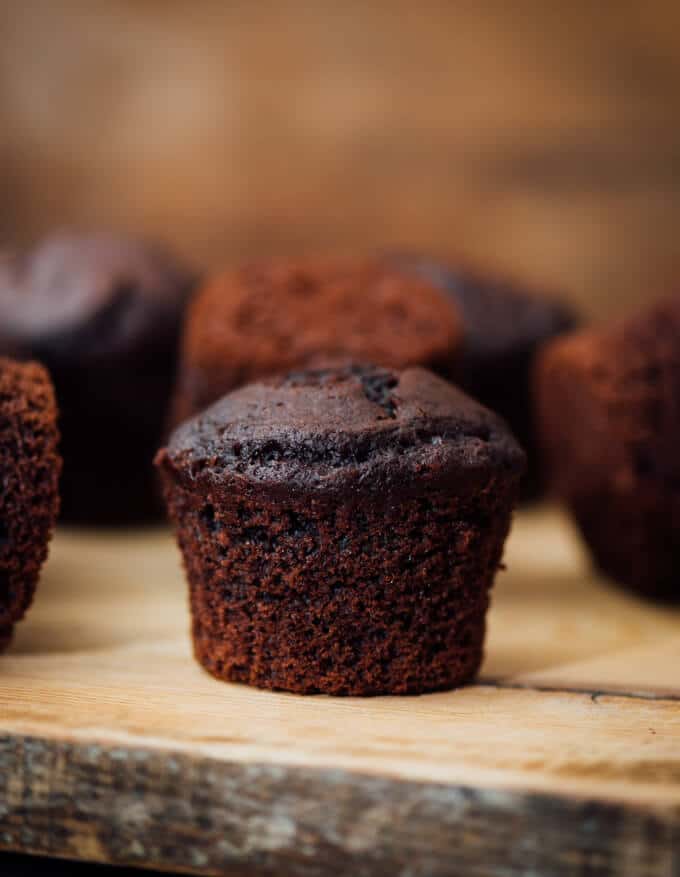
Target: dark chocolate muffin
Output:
[(608, 409), (341, 530), (104, 316), (266, 318), (29, 470), (504, 326)]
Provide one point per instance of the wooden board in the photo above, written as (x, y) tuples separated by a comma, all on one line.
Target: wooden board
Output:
[(565, 758), (539, 138)]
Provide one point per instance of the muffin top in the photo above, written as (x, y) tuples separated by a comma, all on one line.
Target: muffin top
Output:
[(609, 401), (500, 320), (355, 427), (635, 350), (78, 297), (269, 317)]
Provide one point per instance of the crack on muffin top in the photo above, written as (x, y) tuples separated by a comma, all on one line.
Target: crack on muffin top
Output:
[(378, 388), (359, 420), (376, 383)]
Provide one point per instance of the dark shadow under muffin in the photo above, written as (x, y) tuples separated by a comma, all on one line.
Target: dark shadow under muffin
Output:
[(608, 410), (341, 529), (29, 471), (103, 314)]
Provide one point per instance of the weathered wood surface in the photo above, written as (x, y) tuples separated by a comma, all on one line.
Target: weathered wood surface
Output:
[(131, 805), (565, 758)]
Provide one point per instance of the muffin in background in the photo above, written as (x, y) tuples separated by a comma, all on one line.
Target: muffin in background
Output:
[(103, 313), (504, 327), (608, 412), (394, 309), (266, 318)]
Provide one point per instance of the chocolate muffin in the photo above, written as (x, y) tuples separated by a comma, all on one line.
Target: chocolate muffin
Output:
[(504, 326), (397, 310), (103, 314), (608, 409), (341, 529), (29, 470), (264, 319)]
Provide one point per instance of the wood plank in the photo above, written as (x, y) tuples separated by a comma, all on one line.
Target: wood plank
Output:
[(541, 138), (116, 747), (205, 816)]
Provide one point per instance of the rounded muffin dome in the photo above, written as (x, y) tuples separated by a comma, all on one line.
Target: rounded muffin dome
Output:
[(341, 529)]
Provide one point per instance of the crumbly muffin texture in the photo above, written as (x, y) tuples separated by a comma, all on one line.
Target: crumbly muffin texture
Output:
[(608, 407), (29, 468), (341, 530)]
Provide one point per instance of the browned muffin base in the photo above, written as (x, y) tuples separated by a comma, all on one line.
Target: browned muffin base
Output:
[(29, 469), (344, 598)]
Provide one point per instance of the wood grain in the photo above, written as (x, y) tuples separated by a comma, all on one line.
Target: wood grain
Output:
[(205, 816), (540, 138), (115, 747)]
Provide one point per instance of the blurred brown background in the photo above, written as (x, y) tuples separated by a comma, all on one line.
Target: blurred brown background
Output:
[(542, 138)]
